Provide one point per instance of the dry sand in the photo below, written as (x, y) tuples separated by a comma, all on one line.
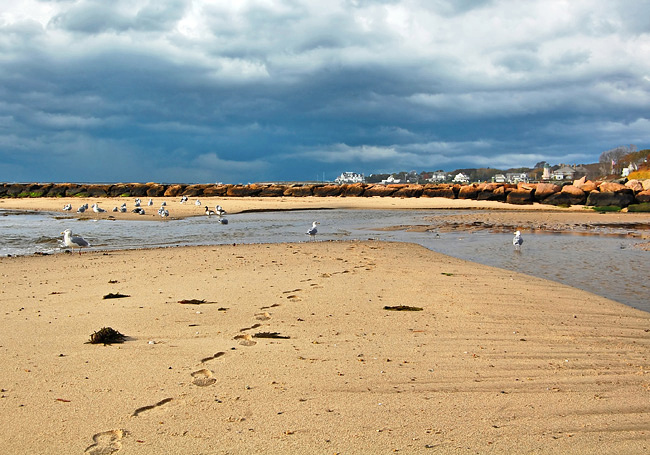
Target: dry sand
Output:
[(496, 362)]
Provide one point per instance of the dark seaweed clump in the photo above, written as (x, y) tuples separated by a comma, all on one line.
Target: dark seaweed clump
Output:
[(106, 335), (270, 335), (402, 308), (116, 295)]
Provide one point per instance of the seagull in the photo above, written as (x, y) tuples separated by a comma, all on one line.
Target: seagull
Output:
[(163, 204), (183, 199), (97, 209), (81, 209), (208, 212), (74, 241), (313, 231), (220, 211), (163, 212), (517, 240), (137, 202), (197, 202), (67, 207), (150, 203), (223, 220), (115, 209), (138, 210)]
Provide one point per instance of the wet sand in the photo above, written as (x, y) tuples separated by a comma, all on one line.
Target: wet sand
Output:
[(495, 361)]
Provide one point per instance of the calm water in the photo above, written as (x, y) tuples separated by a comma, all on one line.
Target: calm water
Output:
[(608, 266)]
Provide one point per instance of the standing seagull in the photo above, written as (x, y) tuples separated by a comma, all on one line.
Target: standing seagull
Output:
[(75, 241), (517, 240), (220, 210), (312, 230)]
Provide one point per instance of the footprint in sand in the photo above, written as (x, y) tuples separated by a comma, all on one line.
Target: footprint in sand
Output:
[(263, 316), (294, 298), (246, 340), (203, 378), (106, 442)]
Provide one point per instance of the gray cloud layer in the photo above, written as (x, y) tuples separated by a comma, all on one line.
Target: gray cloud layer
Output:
[(255, 90)]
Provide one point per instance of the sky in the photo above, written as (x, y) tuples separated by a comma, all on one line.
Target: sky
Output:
[(243, 91)]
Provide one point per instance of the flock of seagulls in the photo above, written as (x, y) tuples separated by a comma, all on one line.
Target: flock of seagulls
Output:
[(76, 241)]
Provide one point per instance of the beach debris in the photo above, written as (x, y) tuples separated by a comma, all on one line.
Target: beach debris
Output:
[(275, 335), (254, 326), (402, 308), (146, 408), (106, 335), (115, 295), (212, 357), (447, 274), (113, 281)]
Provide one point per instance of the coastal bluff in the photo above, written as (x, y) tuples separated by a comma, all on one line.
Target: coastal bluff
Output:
[(578, 192)]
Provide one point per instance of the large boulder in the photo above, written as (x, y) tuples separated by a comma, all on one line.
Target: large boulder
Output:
[(194, 190), (138, 189), (75, 190), (273, 191), (544, 190), (635, 185), (409, 191), (433, 190), (98, 190), (643, 196), (520, 196), (174, 190), (244, 190), (491, 192), (327, 190), (646, 184), (468, 192), (353, 189), (576, 195), (619, 199), (155, 190), (216, 190), (613, 187), (379, 190), (299, 191)]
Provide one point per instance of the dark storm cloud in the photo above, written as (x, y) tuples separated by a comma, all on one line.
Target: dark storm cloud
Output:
[(281, 90)]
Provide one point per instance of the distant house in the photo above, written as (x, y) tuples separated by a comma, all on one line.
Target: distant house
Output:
[(627, 170), (546, 174), (461, 178), (391, 179), (516, 177), (438, 176), (350, 177), (499, 178), (563, 173)]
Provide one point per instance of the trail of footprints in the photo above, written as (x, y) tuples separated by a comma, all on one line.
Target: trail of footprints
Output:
[(110, 442)]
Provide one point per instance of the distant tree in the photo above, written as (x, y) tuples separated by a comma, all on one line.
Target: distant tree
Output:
[(540, 165), (610, 160)]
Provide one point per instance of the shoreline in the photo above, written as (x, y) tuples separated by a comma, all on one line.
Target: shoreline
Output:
[(503, 371)]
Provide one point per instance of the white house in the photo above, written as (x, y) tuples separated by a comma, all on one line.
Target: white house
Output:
[(631, 168), (390, 179), (516, 177), (438, 176), (563, 173), (350, 177), (461, 178), (499, 178)]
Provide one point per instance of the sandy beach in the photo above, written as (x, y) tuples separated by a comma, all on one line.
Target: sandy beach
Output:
[(289, 348)]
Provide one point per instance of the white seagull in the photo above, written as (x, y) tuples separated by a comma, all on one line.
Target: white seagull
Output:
[(67, 207), (75, 241), (312, 230), (517, 240), (220, 211), (150, 203), (97, 209), (197, 202)]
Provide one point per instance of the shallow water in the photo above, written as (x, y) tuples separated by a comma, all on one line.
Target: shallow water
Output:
[(605, 265)]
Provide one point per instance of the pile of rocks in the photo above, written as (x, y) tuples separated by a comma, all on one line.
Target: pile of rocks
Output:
[(580, 192)]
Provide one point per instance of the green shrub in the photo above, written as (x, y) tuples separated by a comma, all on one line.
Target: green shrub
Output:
[(643, 207), (607, 208)]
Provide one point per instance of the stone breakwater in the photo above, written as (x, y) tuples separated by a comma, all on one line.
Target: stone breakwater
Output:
[(579, 192)]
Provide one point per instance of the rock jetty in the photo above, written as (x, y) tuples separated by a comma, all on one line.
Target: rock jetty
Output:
[(578, 192)]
